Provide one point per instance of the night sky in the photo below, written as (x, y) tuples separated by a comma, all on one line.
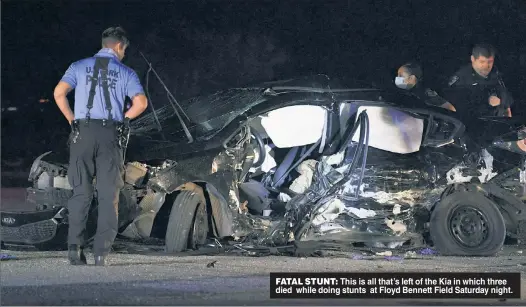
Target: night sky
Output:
[(202, 46)]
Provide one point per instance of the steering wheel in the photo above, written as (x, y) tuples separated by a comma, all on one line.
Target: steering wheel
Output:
[(260, 145)]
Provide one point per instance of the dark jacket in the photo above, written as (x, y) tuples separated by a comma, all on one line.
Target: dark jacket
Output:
[(477, 91), (429, 96)]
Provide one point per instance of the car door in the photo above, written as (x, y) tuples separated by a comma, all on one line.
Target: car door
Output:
[(407, 151)]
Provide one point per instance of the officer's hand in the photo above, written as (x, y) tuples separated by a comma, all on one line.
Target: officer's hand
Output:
[(494, 101)]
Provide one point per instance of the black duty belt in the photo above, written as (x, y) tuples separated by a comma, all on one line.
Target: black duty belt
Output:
[(102, 122), (122, 129)]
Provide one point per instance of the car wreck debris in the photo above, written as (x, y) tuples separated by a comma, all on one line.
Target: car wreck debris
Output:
[(357, 169)]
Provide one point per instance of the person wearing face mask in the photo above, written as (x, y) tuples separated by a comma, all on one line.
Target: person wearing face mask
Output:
[(410, 77), (488, 95), (97, 139)]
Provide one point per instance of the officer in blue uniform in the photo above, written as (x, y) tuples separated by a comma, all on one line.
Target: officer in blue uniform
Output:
[(100, 127)]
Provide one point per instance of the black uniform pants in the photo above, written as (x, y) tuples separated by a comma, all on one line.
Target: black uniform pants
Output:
[(95, 155)]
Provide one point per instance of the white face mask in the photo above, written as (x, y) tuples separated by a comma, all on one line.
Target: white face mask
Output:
[(399, 81)]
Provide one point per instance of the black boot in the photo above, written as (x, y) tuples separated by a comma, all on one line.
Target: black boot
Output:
[(76, 255), (100, 261)]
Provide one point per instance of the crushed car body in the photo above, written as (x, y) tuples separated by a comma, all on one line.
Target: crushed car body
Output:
[(302, 163)]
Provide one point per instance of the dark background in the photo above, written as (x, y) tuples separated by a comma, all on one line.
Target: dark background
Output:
[(201, 46)]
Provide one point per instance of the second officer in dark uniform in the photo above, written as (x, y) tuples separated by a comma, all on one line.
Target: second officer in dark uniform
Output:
[(486, 93), (101, 84), (410, 77)]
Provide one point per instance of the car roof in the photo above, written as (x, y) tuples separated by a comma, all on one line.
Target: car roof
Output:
[(212, 112)]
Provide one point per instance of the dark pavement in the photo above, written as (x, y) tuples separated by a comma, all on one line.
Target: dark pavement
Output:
[(45, 278)]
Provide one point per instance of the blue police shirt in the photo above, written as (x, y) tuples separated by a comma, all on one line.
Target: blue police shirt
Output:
[(122, 82)]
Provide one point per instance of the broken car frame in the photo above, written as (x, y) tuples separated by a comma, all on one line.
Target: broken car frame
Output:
[(298, 162)]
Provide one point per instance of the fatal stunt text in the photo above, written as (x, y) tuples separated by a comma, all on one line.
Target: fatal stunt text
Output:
[(395, 285), (309, 281)]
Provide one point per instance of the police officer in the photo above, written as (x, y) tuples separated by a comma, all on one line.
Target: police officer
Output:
[(487, 94), (101, 83), (410, 77)]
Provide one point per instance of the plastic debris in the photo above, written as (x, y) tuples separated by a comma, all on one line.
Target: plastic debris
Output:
[(386, 253), (397, 209), (7, 257), (410, 254), (427, 251)]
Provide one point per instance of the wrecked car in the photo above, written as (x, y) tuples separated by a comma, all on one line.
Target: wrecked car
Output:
[(302, 162)]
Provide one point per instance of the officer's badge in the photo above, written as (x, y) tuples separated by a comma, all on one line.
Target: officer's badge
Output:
[(453, 80), (431, 93)]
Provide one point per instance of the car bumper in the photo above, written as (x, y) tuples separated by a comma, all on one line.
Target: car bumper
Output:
[(31, 228)]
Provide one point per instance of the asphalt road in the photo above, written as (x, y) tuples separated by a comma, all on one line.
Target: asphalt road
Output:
[(45, 278)]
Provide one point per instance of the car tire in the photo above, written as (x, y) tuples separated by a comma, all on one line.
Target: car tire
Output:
[(181, 221), (199, 230), (467, 224)]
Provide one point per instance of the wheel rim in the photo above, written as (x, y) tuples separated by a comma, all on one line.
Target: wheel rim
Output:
[(199, 229), (469, 226)]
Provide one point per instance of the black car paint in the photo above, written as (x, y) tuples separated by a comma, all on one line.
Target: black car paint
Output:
[(432, 162)]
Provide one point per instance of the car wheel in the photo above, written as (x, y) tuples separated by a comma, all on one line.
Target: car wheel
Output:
[(467, 224), (199, 231), (186, 211)]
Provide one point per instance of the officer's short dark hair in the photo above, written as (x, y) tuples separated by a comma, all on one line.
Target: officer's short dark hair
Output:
[(485, 50), (114, 35), (414, 69)]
